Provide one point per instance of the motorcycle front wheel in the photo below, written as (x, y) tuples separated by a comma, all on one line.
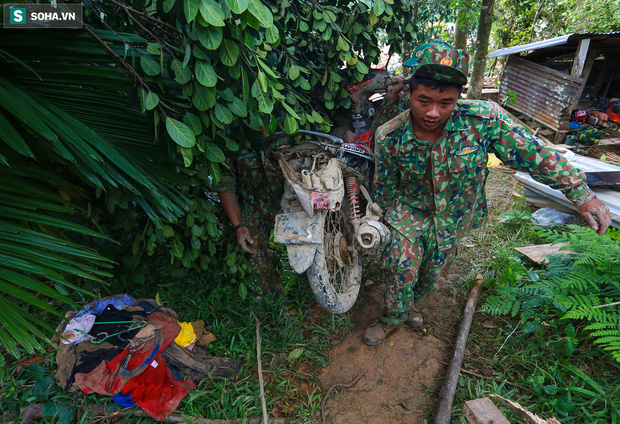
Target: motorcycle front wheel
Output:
[(336, 271)]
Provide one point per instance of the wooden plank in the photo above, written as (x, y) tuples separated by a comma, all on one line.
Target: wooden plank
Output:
[(591, 57), (525, 415), (483, 411), (580, 57), (539, 252)]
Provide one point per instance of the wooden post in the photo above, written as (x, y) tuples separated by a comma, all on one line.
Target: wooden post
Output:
[(580, 57), (585, 75), (446, 398)]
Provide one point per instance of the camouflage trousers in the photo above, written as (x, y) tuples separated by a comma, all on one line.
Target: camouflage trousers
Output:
[(265, 261), (413, 268)]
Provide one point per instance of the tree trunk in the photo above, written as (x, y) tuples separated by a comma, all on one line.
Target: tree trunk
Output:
[(407, 52), (482, 46), (462, 25)]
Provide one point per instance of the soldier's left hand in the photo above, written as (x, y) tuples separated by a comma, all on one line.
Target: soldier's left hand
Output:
[(594, 211)]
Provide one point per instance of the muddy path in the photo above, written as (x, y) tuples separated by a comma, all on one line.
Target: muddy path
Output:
[(401, 377)]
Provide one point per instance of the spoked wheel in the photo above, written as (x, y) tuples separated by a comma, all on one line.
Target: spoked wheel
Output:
[(336, 271)]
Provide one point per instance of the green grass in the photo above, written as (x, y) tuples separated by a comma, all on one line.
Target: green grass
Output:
[(295, 336), (579, 386)]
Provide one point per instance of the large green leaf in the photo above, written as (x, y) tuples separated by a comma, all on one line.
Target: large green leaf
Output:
[(229, 52), (182, 74), (214, 153), (180, 133), (193, 122), (149, 65), (261, 12), (223, 113), (290, 124), (205, 73), (238, 107), (211, 12), (238, 6), (210, 37), (204, 97), (265, 104), (151, 101), (190, 8)]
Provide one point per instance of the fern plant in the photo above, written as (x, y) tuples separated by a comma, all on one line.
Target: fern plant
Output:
[(581, 285)]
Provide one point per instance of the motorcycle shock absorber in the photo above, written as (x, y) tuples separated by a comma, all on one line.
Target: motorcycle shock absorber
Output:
[(351, 187)]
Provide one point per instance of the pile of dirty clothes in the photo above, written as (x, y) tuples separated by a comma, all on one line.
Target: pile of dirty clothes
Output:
[(135, 351)]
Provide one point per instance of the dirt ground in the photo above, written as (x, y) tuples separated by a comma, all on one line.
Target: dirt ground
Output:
[(401, 377)]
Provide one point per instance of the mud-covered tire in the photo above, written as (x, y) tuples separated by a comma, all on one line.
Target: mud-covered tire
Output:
[(335, 287)]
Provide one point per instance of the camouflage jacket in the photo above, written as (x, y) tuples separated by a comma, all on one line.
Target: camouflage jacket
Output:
[(257, 183), (418, 183)]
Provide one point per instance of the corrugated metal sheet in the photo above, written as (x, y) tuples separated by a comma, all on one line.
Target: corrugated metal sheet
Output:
[(541, 195), (544, 94), (563, 39)]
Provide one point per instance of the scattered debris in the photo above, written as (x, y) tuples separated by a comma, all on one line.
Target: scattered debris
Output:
[(483, 411), (539, 252), (488, 324), (541, 195), (522, 413), (137, 352)]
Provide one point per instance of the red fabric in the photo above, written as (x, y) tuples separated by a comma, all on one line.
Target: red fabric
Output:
[(153, 388), (157, 390)]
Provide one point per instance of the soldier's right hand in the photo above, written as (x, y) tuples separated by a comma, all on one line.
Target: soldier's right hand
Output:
[(245, 240), (395, 87)]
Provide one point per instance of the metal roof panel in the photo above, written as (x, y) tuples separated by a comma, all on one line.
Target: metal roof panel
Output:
[(563, 39)]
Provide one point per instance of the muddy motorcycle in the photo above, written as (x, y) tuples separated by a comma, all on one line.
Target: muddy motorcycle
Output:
[(328, 220), (322, 223)]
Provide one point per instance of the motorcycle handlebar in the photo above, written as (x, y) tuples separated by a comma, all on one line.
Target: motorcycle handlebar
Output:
[(267, 141)]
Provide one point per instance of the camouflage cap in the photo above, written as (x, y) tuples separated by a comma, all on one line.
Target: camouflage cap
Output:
[(413, 60), (439, 62)]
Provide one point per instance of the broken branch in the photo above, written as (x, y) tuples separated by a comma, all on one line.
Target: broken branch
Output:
[(446, 398)]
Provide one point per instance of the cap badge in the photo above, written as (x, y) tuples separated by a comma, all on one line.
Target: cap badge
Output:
[(446, 61)]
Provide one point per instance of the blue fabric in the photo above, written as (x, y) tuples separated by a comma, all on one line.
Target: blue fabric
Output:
[(124, 400), (97, 306), (574, 125)]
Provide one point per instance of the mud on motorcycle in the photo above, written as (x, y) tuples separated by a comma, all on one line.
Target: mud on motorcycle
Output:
[(328, 220)]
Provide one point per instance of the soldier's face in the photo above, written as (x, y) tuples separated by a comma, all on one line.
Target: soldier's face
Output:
[(431, 108)]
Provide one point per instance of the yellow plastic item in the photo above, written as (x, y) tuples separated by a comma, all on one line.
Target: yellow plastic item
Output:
[(187, 335), (493, 161)]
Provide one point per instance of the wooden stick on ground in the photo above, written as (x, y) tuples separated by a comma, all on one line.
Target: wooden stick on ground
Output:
[(260, 371), (35, 413), (446, 398)]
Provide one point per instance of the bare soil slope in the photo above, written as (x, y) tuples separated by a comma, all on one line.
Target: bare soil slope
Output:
[(401, 378)]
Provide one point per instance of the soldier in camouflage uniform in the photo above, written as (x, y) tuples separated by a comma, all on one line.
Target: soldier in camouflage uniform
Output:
[(431, 172), (250, 193)]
